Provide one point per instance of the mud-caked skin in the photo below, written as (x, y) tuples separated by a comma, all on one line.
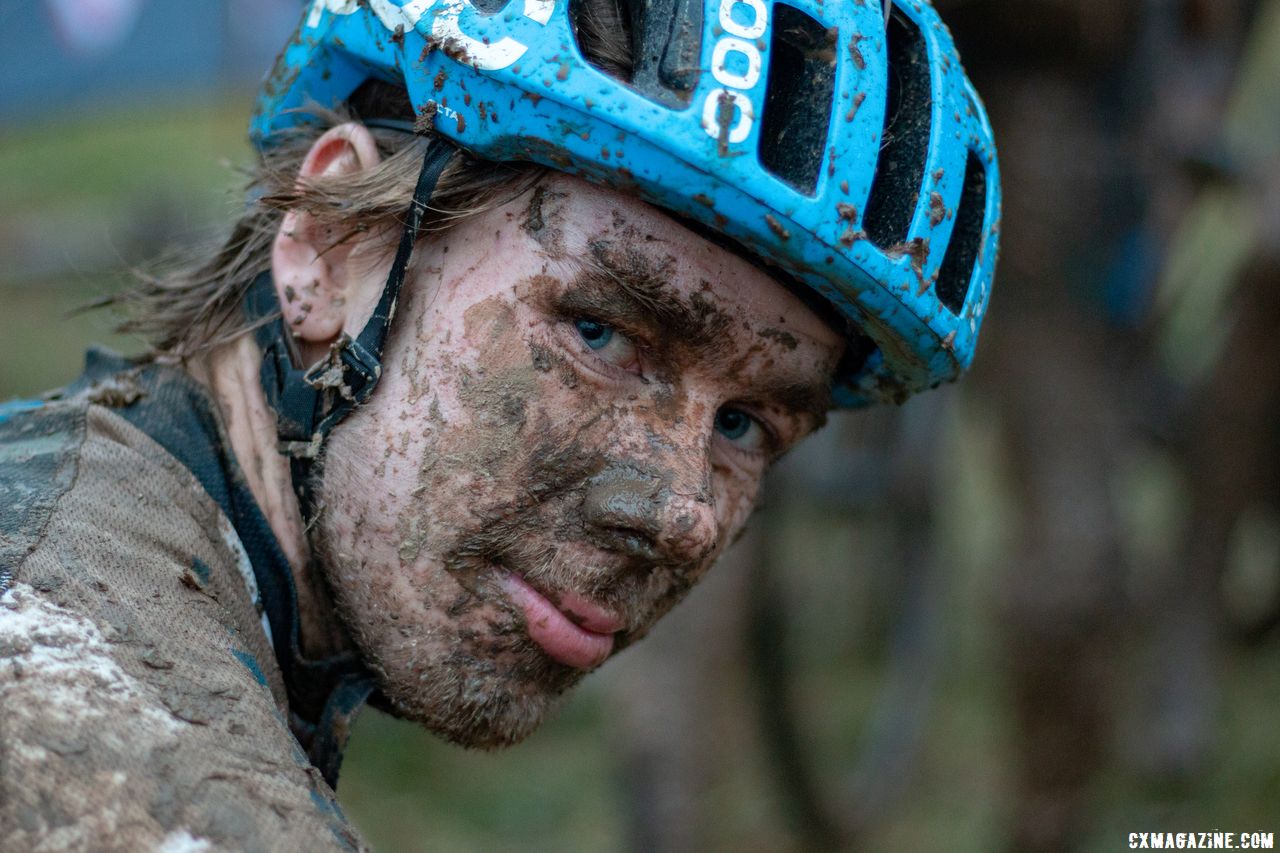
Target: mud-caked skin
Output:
[(141, 706), (578, 401), (583, 399)]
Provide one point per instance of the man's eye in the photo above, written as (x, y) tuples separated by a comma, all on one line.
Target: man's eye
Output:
[(608, 343), (740, 428)]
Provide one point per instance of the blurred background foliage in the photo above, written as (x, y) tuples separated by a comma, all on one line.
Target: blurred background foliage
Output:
[(1036, 611)]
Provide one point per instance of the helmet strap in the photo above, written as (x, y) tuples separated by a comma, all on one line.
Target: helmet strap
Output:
[(309, 402)]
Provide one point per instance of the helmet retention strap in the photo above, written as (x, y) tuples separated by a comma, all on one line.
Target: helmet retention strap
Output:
[(309, 402)]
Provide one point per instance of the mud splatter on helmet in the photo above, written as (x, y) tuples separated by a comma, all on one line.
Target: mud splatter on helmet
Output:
[(838, 141)]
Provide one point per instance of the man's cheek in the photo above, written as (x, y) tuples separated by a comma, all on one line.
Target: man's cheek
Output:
[(512, 409), (736, 494), (437, 510)]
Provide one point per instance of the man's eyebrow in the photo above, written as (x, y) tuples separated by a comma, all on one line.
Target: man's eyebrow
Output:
[(642, 295), (802, 397)]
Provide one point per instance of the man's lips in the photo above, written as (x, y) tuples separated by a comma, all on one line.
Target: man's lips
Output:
[(582, 645)]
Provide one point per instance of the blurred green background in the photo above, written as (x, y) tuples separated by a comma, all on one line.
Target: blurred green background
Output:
[(966, 655)]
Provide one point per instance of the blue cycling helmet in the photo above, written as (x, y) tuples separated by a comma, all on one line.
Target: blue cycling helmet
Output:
[(838, 142)]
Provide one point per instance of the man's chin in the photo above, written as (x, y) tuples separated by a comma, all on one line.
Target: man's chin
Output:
[(487, 710)]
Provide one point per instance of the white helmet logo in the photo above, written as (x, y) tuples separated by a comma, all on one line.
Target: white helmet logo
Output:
[(484, 55), (732, 96)]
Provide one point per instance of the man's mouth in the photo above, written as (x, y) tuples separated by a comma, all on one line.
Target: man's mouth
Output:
[(582, 642)]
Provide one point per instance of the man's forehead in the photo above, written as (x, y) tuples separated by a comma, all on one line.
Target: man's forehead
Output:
[(593, 211), (632, 240), (708, 300)]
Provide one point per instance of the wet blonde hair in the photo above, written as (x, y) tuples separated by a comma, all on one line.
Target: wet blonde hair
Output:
[(187, 304)]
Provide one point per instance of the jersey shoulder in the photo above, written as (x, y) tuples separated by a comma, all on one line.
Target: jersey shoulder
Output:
[(140, 703), (39, 446)]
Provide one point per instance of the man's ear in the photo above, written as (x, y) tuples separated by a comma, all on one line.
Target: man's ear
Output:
[(319, 290)]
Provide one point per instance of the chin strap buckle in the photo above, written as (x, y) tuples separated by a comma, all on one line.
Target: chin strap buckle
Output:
[(350, 371), (308, 404)]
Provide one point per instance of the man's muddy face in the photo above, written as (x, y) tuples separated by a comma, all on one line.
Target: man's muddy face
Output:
[(580, 399)]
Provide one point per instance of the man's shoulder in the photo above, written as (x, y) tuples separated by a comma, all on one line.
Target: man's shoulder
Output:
[(91, 503), (43, 444), (122, 731), (138, 693), (39, 447)]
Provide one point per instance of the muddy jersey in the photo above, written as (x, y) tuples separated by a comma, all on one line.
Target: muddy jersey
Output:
[(149, 683)]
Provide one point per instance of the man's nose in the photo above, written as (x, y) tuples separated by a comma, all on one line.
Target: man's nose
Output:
[(650, 515)]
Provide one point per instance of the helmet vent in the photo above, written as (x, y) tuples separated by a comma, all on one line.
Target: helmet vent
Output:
[(798, 98), (962, 252), (603, 33), (904, 143), (652, 45)]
